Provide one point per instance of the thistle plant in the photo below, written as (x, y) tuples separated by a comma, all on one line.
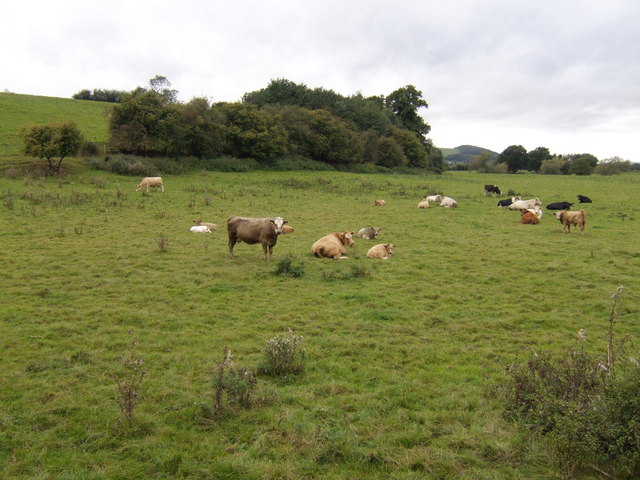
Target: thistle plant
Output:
[(283, 354), (129, 385)]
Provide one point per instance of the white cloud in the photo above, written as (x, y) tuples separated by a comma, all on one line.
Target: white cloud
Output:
[(495, 73)]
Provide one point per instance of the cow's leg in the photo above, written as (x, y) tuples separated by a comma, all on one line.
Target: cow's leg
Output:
[(232, 242)]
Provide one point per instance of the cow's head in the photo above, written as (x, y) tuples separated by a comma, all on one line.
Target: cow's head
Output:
[(375, 231), (346, 238), (389, 248), (537, 202), (559, 215), (278, 222)]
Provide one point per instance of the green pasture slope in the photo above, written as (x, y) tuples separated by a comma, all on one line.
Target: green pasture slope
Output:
[(401, 355), (19, 111)]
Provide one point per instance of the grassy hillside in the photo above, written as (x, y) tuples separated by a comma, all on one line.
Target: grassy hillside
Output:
[(400, 354), (19, 111)]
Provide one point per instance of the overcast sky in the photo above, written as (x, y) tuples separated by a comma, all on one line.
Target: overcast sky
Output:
[(563, 74)]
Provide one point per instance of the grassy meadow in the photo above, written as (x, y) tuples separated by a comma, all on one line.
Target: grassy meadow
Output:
[(402, 356), (18, 111)]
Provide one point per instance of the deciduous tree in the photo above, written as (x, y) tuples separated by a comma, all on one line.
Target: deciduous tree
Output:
[(51, 141)]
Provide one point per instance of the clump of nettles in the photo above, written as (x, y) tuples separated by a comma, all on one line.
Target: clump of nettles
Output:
[(283, 354), (129, 385), (286, 267), (232, 385), (587, 404)]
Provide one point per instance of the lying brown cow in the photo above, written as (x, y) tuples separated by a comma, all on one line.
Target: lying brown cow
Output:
[(332, 245), (571, 218), (255, 230), (382, 250), (527, 217)]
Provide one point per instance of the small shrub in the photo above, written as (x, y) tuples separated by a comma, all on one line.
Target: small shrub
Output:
[(12, 173), (232, 386), (163, 242), (283, 355), (98, 182), (129, 385), (355, 271), (286, 267), (8, 200)]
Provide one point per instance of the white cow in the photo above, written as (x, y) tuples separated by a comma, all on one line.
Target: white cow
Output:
[(448, 202), (151, 182), (200, 229), (434, 198), (524, 204), (537, 211)]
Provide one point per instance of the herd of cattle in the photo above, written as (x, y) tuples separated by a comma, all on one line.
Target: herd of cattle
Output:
[(531, 213), (267, 230)]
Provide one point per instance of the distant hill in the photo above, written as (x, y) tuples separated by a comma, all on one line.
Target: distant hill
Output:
[(464, 153), (19, 111)]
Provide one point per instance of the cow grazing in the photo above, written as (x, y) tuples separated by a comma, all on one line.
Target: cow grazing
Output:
[(524, 204), (448, 202), (583, 199), (200, 229), (493, 189), (332, 245), (379, 203), (559, 206), (434, 198), (369, 233), (255, 230), (148, 182), (527, 217), (382, 251), (207, 224), (423, 203), (571, 218)]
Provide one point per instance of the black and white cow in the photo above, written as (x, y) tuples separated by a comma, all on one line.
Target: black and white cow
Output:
[(493, 189)]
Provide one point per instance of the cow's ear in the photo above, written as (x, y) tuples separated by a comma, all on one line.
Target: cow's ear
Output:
[(352, 233), (286, 221)]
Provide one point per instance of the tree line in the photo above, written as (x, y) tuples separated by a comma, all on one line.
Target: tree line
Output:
[(282, 119), (515, 158)]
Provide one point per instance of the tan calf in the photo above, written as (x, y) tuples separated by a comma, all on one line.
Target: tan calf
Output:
[(382, 251)]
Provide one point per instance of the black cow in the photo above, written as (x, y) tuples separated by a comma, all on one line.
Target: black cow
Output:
[(559, 206), (508, 201), (583, 199), (492, 189)]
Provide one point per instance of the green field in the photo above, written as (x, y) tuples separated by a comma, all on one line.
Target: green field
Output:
[(401, 355), (20, 111)]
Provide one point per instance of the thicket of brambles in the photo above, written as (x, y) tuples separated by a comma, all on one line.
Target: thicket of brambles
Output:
[(283, 120)]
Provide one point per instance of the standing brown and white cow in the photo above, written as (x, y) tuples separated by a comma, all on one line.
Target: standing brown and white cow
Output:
[(255, 230)]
